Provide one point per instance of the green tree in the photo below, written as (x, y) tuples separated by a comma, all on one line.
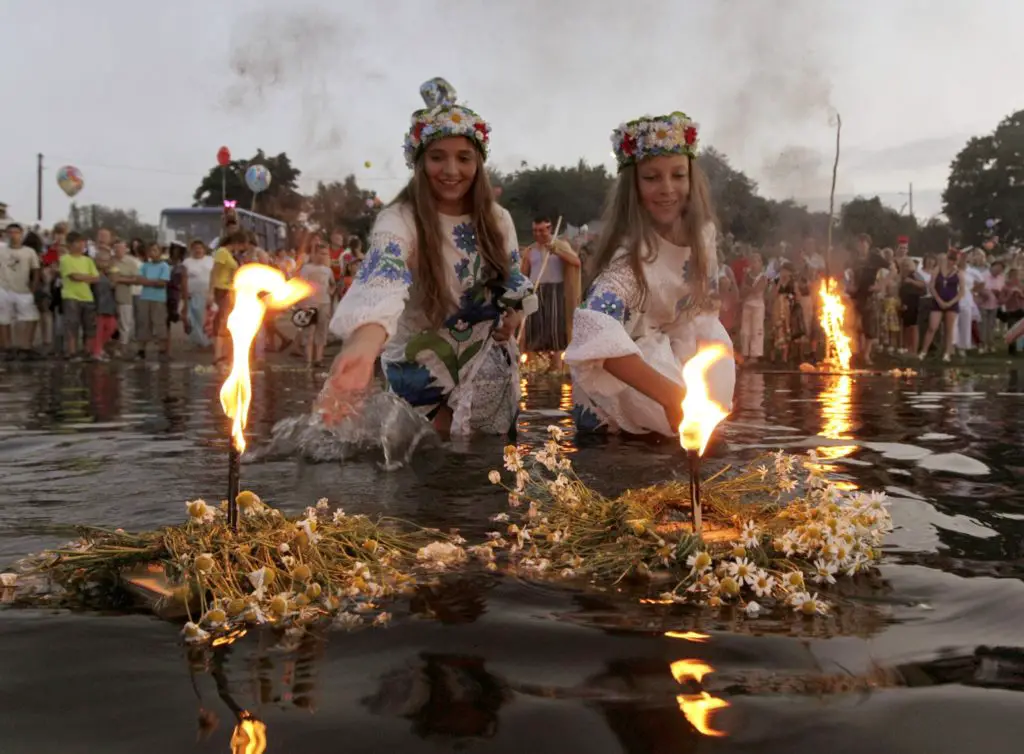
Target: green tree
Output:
[(882, 223), (577, 194), (345, 206), (934, 237), (123, 223), (741, 212), (986, 181), (281, 200)]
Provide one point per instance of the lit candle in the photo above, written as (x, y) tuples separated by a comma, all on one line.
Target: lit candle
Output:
[(700, 417), (257, 288)]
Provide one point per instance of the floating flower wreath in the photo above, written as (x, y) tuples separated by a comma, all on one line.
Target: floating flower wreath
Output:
[(653, 136)]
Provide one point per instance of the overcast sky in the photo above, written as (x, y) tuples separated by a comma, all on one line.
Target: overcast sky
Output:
[(140, 94)]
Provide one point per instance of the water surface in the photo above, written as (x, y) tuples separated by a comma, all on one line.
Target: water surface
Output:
[(928, 659)]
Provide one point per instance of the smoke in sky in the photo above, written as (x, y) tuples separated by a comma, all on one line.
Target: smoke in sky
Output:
[(299, 59), (776, 91), (764, 73)]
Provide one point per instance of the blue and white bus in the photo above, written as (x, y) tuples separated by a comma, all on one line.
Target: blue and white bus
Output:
[(205, 223)]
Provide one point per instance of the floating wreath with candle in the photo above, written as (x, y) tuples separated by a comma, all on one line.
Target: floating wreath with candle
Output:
[(772, 532)]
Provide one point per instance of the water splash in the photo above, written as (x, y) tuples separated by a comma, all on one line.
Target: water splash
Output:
[(382, 421)]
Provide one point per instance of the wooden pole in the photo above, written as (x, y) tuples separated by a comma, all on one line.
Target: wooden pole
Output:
[(832, 197), (39, 187)]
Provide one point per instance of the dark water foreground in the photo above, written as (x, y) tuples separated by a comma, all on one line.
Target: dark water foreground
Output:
[(930, 661)]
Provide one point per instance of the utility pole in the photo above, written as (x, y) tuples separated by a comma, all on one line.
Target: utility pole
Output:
[(39, 188), (911, 198)]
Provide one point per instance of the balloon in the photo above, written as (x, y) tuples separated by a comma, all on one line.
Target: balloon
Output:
[(990, 223), (70, 180), (367, 164), (369, 203), (223, 156), (257, 178)]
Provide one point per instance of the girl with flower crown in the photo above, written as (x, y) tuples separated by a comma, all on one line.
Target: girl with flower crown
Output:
[(439, 292), (648, 304)]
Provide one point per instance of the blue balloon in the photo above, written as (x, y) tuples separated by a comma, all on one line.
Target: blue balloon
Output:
[(257, 178), (990, 223)]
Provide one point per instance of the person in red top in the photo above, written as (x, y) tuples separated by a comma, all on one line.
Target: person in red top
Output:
[(338, 254)]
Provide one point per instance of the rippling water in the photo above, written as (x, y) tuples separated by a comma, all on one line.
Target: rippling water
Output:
[(931, 660)]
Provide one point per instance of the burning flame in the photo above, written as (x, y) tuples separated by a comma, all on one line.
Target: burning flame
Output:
[(833, 318), (257, 288), (700, 414), (697, 708), (249, 736)]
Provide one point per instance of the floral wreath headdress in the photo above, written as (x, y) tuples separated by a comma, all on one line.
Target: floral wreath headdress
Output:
[(653, 136), (443, 117)]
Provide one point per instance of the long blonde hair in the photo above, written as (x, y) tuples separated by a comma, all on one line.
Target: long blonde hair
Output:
[(430, 272), (626, 224)]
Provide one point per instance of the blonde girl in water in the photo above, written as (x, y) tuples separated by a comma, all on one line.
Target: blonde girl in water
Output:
[(648, 303), (440, 292)]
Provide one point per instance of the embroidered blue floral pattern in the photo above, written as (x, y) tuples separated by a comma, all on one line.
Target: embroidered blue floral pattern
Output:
[(585, 419), (464, 237), (516, 278), (608, 303), (462, 269), (385, 264), (413, 382)]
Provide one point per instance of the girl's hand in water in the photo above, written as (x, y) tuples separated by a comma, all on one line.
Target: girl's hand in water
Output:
[(351, 373)]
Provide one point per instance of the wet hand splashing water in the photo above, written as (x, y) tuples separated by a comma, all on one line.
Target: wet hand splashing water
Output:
[(340, 427)]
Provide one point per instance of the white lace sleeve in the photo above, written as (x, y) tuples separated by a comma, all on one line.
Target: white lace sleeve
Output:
[(381, 287), (602, 329)]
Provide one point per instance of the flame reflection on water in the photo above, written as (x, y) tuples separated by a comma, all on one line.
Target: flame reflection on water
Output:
[(697, 708), (249, 736), (836, 410)]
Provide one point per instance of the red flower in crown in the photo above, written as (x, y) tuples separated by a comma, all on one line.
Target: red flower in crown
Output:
[(690, 134), (481, 129), (628, 145), (418, 130)]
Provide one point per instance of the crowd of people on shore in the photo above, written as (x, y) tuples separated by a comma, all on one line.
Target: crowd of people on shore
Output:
[(66, 296), (953, 303)]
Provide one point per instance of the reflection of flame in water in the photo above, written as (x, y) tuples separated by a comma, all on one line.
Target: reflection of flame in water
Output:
[(685, 669), (833, 318), (835, 412), (257, 287), (700, 414), (688, 636), (229, 638), (523, 358), (565, 400), (697, 708), (249, 736)]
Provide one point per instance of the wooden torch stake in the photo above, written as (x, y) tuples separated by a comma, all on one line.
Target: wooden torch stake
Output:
[(694, 462), (234, 470)]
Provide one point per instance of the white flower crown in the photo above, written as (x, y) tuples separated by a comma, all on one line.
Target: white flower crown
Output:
[(443, 118), (653, 136)]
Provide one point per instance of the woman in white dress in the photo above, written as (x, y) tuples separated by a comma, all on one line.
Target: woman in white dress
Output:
[(647, 307), (440, 291)]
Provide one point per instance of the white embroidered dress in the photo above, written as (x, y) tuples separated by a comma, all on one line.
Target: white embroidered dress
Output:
[(666, 332), (459, 364)]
